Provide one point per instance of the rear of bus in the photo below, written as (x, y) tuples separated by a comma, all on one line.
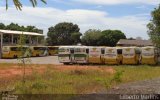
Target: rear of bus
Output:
[(148, 56), (129, 55), (53, 50), (64, 55), (111, 56), (39, 51), (15, 52), (80, 54), (94, 55)]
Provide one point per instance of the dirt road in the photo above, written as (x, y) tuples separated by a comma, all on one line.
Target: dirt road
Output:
[(142, 87), (35, 60)]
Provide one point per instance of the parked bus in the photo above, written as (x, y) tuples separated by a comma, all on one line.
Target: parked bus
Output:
[(148, 55), (38, 51), (129, 55), (80, 54), (15, 51), (53, 50), (65, 54), (111, 56), (95, 55)]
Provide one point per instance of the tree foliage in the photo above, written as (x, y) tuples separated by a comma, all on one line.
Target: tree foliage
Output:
[(154, 27), (17, 27), (95, 37), (63, 34), (91, 37), (111, 37), (19, 5)]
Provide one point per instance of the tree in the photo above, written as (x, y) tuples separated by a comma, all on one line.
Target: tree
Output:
[(91, 37), (12, 26), (2, 26), (111, 37), (63, 34), (18, 3), (154, 27), (16, 27)]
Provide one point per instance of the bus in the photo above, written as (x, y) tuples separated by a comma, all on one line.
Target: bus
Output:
[(39, 51), (15, 51), (80, 54), (148, 55), (111, 56), (95, 55), (66, 54), (53, 50), (129, 55)]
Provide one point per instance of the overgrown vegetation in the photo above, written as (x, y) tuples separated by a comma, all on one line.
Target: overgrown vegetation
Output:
[(154, 27), (24, 57), (50, 80)]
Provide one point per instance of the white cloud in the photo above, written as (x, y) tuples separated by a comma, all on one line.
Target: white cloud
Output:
[(115, 2), (43, 18)]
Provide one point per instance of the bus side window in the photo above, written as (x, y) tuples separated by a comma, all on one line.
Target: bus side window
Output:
[(87, 51), (119, 51), (14, 49)]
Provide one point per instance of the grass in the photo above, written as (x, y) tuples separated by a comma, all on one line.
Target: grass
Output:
[(78, 81)]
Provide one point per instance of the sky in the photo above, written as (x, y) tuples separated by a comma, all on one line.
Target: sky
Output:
[(129, 16)]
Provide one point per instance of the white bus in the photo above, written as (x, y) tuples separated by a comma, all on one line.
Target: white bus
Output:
[(80, 54), (95, 55), (129, 55), (65, 54), (111, 56), (148, 55)]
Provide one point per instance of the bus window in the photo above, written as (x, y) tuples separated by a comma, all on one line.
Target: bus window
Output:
[(18, 48), (40, 48), (14, 49), (51, 48)]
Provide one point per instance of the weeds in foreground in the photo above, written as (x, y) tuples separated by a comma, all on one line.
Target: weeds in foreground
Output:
[(53, 81)]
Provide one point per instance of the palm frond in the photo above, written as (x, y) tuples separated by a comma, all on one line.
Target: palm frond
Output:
[(18, 4), (6, 4)]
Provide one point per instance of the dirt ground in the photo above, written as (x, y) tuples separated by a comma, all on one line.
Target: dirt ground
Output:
[(142, 87), (15, 71), (35, 60)]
